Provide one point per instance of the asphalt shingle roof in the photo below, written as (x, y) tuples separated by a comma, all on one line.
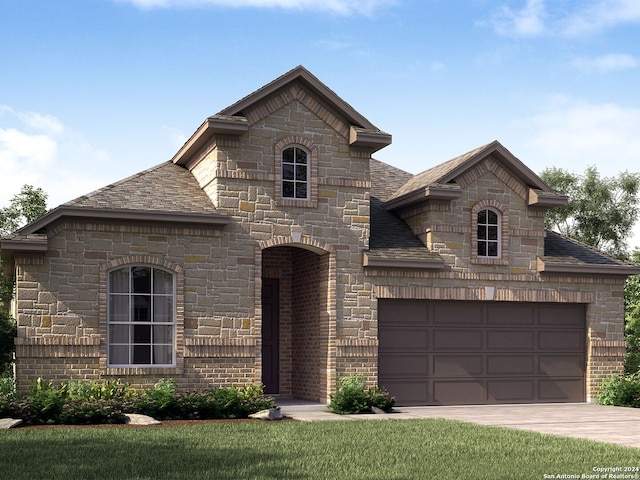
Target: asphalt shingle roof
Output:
[(163, 188), (560, 249)]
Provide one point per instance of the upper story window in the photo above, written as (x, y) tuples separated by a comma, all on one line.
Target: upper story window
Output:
[(295, 173), (488, 233), (141, 317)]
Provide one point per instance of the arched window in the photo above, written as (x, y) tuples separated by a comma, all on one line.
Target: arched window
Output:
[(488, 233), (295, 173), (141, 317)]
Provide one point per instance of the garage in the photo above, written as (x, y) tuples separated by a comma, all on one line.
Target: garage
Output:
[(468, 353)]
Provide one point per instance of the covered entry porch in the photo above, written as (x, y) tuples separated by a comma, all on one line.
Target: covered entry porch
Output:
[(297, 322)]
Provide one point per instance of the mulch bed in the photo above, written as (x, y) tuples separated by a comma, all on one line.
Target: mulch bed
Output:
[(165, 423)]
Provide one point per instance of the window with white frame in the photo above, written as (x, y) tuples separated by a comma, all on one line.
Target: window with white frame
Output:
[(295, 173), (488, 233), (141, 317)]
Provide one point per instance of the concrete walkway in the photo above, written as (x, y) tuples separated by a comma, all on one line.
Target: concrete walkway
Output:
[(616, 425)]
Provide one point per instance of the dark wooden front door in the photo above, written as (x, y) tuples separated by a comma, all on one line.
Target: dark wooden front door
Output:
[(270, 335)]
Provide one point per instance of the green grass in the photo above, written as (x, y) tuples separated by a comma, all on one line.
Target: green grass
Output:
[(375, 449)]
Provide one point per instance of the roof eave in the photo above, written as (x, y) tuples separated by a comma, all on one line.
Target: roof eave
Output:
[(372, 140), (33, 244), (587, 268), (214, 125), (539, 198), (430, 192), (202, 219), (412, 263)]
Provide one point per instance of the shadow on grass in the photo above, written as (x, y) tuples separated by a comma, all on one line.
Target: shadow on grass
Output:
[(172, 453)]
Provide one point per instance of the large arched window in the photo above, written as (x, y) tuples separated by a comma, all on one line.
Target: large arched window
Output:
[(295, 173), (141, 317), (488, 233)]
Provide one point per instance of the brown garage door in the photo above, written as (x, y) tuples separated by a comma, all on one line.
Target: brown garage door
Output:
[(456, 353)]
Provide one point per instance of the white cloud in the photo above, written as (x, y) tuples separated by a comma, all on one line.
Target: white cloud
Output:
[(600, 15), (563, 17), (606, 63), (574, 134), (342, 7), (527, 21), (37, 149)]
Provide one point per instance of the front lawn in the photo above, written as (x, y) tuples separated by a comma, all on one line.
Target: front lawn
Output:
[(367, 449)]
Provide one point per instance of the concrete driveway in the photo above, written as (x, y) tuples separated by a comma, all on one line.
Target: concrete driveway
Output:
[(594, 422)]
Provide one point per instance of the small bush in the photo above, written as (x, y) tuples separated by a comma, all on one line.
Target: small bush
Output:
[(353, 396), (621, 391)]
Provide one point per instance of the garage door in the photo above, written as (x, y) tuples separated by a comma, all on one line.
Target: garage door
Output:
[(465, 353)]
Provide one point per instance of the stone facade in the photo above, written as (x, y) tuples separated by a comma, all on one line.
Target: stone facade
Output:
[(237, 230)]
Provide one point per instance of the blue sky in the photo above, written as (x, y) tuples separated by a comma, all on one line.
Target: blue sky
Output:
[(92, 91)]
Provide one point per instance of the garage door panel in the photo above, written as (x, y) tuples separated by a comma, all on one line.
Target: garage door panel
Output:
[(561, 365), (561, 316), (482, 352), (506, 314), (403, 339), (404, 311), (561, 340), (457, 365), (511, 390), (404, 366), (413, 392), (559, 390), (499, 365), (458, 392), (457, 339), (511, 340), (456, 313)]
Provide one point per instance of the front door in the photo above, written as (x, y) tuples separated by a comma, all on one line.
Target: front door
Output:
[(270, 336)]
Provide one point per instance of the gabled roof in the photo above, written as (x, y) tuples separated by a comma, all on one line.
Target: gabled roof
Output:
[(324, 94), (392, 244), (165, 193), (232, 121), (439, 182)]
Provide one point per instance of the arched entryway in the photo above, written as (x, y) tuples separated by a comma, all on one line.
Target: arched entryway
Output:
[(296, 322)]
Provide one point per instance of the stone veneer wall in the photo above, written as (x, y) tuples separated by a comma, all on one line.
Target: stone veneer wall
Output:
[(61, 306), (219, 337), (603, 299)]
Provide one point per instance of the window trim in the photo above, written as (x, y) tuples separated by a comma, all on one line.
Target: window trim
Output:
[(130, 294), (295, 181), (503, 233), (312, 171), (488, 241), (102, 329)]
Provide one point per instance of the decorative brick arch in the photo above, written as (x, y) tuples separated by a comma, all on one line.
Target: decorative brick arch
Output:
[(269, 265), (293, 140), (503, 259), (147, 260)]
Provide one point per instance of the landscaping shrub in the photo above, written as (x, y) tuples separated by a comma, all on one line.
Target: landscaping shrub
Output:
[(79, 402), (7, 333), (7, 387), (353, 396), (621, 391)]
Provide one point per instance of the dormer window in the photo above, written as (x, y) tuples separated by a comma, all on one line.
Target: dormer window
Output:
[(488, 233), (295, 173)]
